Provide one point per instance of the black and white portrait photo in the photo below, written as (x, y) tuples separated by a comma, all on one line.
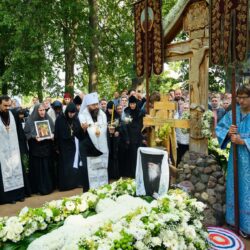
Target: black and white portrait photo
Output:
[(152, 172), (151, 167)]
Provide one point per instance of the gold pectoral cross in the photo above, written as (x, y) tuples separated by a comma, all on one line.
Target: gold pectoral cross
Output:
[(7, 128)]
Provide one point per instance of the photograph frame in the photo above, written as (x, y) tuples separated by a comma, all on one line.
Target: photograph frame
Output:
[(43, 129), (151, 179)]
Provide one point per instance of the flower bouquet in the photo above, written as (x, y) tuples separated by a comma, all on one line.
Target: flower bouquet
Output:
[(110, 217)]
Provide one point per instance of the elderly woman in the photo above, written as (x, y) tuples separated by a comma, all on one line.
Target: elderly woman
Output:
[(40, 149)]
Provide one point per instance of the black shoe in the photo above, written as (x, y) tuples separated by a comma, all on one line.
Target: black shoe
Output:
[(21, 200), (12, 202), (244, 235)]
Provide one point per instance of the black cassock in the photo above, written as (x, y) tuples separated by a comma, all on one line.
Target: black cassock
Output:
[(41, 165), (24, 152), (113, 144), (134, 136), (68, 176)]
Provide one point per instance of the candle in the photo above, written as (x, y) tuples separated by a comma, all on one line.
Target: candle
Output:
[(112, 115)]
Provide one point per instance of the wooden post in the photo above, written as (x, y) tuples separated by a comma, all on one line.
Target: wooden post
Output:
[(235, 161), (146, 57)]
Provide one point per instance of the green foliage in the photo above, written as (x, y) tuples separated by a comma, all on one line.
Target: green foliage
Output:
[(217, 79), (40, 39), (23, 244), (164, 131), (220, 154)]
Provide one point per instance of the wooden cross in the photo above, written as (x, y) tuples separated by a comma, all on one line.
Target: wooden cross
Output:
[(163, 113)]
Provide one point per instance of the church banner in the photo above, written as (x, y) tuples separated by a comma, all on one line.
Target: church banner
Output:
[(155, 37), (228, 31)]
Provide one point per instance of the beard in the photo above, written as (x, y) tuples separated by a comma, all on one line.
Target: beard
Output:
[(94, 113), (5, 115), (154, 171)]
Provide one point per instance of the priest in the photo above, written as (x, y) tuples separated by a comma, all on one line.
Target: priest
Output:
[(11, 175), (93, 145)]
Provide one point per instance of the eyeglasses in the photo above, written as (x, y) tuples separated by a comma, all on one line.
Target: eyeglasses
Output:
[(242, 97)]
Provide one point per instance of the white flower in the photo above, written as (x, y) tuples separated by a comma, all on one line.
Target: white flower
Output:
[(197, 224), (49, 214), (39, 219), (52, 204), (43, 226), (190, 232), (138, 233), (83, 206), (57, 218), (70, 206), (140, 245), (200, 206), (28, 232), (156, 241), (59, 203), (89, 197), (191, 246), (104, 204)]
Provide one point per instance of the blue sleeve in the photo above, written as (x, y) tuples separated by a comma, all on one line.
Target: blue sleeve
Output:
[(222, 129), (247, 143)]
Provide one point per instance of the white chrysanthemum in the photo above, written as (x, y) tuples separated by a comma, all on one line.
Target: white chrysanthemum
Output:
[(171, 217), (197, 224), (42, 226), (28, 232), (181, 243), (156, 241), (185, 216), (140, 246), (83, 206), (52, 204), (89, 197), (14, 225), (49, 214), (104, 205), (138, 233), (191, 246), (190, 232), (200, 206), (39, 219), (57, 218), (70, 205)]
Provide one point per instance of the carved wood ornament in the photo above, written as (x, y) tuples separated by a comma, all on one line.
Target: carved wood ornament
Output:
[(155, 47)]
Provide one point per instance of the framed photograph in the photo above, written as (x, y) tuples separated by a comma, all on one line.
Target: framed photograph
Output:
[(43, 130), (152, 172), (151, 168)]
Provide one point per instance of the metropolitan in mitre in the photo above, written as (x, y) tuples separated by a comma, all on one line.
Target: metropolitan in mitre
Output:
[(93, 145)]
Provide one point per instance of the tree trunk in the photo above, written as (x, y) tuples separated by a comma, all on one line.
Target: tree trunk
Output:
[(39, 91), (69, 36), (4, 86), (93, 52)]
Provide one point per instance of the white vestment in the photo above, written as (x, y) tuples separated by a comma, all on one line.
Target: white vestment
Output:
[(10, 160), (164, 178), (97, 166)]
